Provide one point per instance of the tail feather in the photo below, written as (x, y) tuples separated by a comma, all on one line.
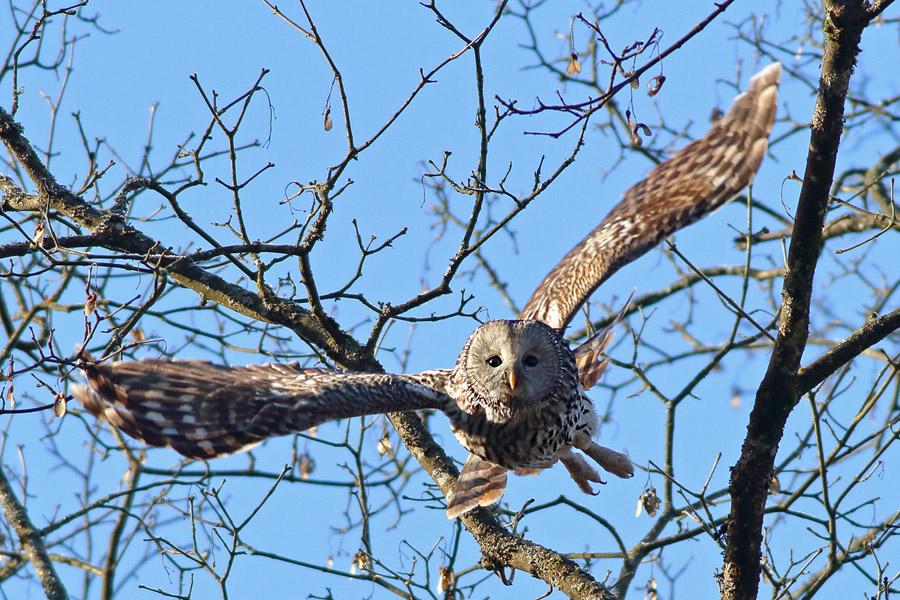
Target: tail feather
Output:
[(481, 483)]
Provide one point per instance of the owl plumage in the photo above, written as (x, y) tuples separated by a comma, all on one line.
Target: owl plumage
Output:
[(517, 391), (520, 390), (203, 410), (696, 181), (516, 397)]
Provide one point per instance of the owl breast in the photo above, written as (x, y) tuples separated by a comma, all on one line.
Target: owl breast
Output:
[(518, 398), (527, 442)]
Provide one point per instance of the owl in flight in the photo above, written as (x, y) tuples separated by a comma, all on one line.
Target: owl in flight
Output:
[(516, 397)]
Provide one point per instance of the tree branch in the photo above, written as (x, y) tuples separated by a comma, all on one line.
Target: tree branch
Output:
[(31, 540), (111, 231), (780, 389)]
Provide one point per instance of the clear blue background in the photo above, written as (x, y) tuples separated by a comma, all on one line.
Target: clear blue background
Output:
[(380, 48)]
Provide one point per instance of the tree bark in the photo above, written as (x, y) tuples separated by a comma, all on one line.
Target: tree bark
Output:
[(781, 387)]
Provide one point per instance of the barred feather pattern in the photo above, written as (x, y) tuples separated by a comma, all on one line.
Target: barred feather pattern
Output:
[(539, 437), (700, 178), (203, 410), (505, 423), (589, 355), (516, 397)]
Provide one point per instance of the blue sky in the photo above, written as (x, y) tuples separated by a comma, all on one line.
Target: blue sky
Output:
[(380, 47)]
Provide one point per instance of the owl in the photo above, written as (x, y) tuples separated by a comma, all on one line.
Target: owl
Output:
[(515, 398)]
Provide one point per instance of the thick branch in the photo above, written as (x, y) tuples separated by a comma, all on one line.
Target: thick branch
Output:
[(499, 547), (31, 540), (113, 233), (780, 389), (865, 337)]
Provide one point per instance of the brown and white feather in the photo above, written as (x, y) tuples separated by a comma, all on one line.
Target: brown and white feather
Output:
[(481, 483), (698, 179), (203, 410), (516, 397)]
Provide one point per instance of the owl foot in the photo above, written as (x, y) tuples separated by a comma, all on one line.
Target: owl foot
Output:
[(614, 462), (581, 472)]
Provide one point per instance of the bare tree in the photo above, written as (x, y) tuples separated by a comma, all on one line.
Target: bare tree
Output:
[(215, 252)]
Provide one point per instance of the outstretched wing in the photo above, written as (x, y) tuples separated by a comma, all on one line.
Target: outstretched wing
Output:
[(203, 410), (698, 179)]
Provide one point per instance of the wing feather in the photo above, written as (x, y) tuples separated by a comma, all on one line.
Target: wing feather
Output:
[(700, 178), (203, 410), (589, 355)]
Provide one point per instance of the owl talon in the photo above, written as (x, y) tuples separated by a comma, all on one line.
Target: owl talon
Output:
[(581, 472), (613, 462), (516, 395)]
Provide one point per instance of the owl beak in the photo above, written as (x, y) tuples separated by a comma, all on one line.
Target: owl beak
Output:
[(512, 380)]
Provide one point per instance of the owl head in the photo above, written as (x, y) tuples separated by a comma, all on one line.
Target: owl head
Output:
[(515, 364)]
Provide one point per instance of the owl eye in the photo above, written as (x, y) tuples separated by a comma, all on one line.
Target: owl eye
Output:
[(530, 360), (494, 361)]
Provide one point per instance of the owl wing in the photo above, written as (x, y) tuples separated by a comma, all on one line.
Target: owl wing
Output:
[(588, 356), (698, 179), (203, 410)]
